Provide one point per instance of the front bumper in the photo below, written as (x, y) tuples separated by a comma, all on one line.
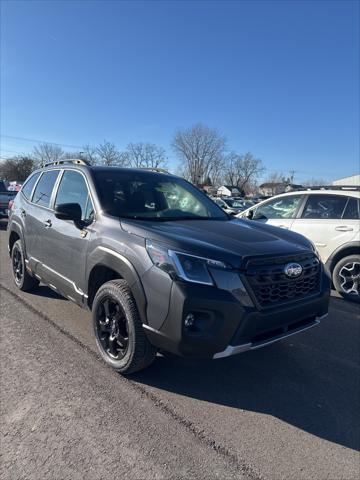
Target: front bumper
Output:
[(226, 325)]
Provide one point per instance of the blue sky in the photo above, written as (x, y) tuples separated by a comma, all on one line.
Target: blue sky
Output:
[(279, 79)]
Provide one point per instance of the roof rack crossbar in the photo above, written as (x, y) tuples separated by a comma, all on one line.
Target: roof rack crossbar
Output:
[(76, 161), (329, 187)]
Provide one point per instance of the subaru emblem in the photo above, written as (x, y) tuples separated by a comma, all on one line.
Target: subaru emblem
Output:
[(293, 270)]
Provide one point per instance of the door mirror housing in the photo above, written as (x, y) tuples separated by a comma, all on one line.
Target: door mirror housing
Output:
[(68, 211), (250, 214)]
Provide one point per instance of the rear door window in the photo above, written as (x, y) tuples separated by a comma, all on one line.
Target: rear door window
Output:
[(29, 186), (44, 188), (324, 207), (352, 209)]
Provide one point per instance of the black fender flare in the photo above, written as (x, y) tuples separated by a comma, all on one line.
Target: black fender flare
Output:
[(15, 227), (107, 257)]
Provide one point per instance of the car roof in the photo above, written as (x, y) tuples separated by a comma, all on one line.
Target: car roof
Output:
[(349, 191), (84, 166)]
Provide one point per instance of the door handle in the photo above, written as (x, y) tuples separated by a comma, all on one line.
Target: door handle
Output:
[(23, 213), (344, 228), (47, 223), (284, 226)]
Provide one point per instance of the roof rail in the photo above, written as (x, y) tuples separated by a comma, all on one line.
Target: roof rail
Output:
[(329, 187), (155, 169), (76, 161)]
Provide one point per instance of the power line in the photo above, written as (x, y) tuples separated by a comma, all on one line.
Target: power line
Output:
[(40, 141), (11, 151)]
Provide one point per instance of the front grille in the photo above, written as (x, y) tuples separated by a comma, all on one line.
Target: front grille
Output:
[(270, 285)]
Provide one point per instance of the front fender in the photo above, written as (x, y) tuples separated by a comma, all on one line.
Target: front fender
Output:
[(104, 256)]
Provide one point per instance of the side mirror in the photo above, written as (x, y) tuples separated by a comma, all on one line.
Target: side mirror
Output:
[(68, 211), (250, 214)]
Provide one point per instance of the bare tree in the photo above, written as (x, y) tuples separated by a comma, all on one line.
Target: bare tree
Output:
[(17, 168), (108, 154), (89, 154), (71, 155), (242, 171), (145, 155), (275, 177), (47, 152), (200, 150)]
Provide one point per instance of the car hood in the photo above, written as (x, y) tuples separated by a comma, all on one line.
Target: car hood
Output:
[(231, 241)]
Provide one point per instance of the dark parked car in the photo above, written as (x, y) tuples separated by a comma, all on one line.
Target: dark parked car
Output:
[(5, 197), (160, 265)]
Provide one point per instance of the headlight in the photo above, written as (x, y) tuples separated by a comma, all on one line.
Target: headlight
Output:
[(182, 265)]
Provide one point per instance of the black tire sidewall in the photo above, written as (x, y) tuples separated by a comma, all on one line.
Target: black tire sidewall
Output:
[(18, 246), (110, 291), (337, 280)]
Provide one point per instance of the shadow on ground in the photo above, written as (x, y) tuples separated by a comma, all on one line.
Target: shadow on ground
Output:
[(46, 292), (310, 381)]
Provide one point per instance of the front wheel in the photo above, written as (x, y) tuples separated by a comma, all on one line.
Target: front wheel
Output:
[(23, 280), (346, 277), (118, 329)]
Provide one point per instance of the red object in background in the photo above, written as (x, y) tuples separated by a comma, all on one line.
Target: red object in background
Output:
[(10, 205)]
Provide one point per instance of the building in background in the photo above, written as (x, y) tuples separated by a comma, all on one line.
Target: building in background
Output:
[(269, 189), (228, 191), (348, 181)]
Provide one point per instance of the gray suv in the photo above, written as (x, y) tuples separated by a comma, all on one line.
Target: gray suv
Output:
[(160, 265)]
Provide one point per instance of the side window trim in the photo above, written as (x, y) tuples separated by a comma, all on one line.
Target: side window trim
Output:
[(301, 206), (55, 189), (345, 207)]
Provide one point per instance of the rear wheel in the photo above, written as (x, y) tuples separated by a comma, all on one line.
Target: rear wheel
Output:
[(23, 280), (118, 329), (346, 277)]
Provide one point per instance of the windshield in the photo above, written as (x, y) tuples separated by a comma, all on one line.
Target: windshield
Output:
[(148, 196)]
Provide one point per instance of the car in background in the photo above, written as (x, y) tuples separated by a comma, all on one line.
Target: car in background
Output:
[(231, 205), (14, 187), (5, 197), (330, 218)]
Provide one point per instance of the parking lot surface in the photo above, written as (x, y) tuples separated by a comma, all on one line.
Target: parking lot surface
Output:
[(287, 411)]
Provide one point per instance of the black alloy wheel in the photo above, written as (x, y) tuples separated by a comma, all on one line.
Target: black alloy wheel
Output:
[(17, 265), (118, 329), (112, 328), (346, 278)]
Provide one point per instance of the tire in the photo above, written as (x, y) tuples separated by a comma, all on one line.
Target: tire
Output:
[(346, 277), (118, 329), (22, 278)]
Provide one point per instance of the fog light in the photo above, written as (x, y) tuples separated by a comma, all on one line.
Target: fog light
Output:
[(189, 320)]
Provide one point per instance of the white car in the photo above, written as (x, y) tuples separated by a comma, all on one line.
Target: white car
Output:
[(330, 217)]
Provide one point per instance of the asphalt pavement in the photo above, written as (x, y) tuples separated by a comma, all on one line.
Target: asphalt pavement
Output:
[(288, 411)]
